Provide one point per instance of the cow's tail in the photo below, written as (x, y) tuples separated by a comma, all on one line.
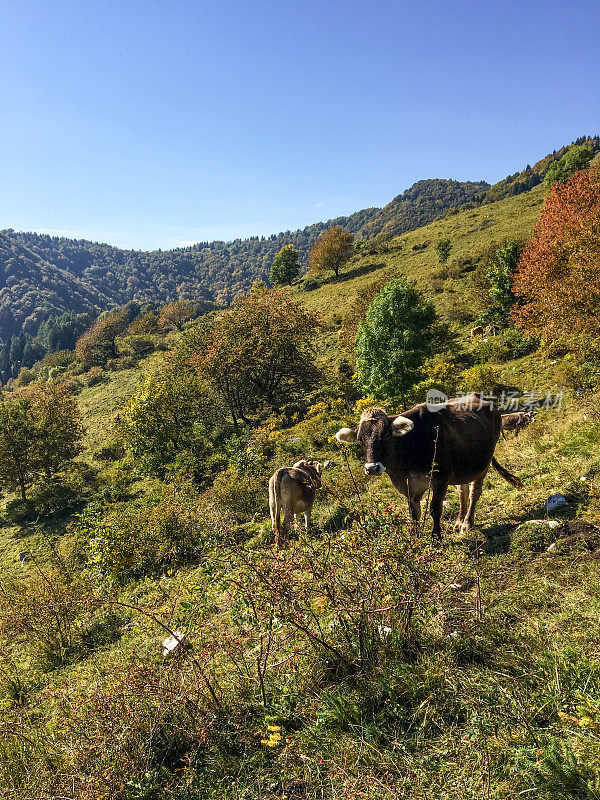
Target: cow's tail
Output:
[(275, 504), (508, 476)]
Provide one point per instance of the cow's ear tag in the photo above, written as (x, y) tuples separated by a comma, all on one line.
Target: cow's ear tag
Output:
[(401, 426), (346, 435)]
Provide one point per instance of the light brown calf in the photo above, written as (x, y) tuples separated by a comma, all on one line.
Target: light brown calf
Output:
[(517, 421), (291, 492)]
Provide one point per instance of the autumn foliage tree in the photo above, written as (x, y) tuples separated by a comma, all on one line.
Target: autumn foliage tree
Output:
[(331, 250), (260, 352), (99, 344), (174, 315), (558, 278)]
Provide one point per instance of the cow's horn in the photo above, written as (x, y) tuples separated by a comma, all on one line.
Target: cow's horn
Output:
[(402, 425), (346, 435)]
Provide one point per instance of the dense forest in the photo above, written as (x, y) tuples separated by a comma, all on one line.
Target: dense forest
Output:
[(46, 276)]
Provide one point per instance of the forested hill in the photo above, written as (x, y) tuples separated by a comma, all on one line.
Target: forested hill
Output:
[(32, 289), (42, 276), (104, 275)]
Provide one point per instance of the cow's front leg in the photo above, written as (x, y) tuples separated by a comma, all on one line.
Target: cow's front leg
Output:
[(463, 492), (415, 509), (307, 521), (436, 508), (476, 489)]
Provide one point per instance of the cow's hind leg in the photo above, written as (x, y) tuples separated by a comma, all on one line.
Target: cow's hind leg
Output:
[(476, 489), (463, 494)]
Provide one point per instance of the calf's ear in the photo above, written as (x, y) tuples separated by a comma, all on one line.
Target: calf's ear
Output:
[(346, 435), (401, 426)]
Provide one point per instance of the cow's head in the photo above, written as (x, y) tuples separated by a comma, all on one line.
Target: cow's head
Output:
[(373, 431)]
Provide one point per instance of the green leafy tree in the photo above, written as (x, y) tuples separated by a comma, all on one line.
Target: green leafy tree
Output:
[(574, 160), (258, 353), (393, 341), (168, 416), (285, 265), (60, 428), (40, 432), (99, 344), (331, 250), (501, 268), (443, 248)]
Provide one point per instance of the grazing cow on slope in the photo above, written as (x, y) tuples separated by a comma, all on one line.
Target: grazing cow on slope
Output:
[(517, 421), (453, 444), (292, 491), (476, 331)]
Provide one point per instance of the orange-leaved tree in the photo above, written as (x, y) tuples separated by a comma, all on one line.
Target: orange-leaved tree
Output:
[(260, 352), (557, 282), (331, 250)]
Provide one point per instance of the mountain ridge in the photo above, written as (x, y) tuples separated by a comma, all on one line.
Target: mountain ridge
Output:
[(92, 277)]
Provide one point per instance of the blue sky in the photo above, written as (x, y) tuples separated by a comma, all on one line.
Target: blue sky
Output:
[(155, 123)]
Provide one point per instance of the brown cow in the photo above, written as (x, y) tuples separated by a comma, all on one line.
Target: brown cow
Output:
[(292, 491), (450, 444), (517, 421), (476, 331)]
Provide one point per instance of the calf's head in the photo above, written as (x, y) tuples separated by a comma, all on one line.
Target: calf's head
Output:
[(374, 431), (312, 468)]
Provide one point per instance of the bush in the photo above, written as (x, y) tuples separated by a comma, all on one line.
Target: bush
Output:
[(140, 345), (60, 496), (45, 611), (343, 596), (480, 378), (148, 536), (94, 376), (518, 344), (241, 495), (18, 511), (309, 284)]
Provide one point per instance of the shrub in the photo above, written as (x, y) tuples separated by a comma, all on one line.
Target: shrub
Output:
[(241, 495), (60, 496), (480, 378), (94, 376), (309, 284), (342, 596), (140, 345), (18, 511), (148, 536), (45, 612)]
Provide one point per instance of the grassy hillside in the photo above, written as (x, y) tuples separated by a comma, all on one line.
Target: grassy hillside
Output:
[(454, 294), (360, 663)]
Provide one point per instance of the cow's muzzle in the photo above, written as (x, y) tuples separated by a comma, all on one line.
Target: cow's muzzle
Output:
[(374, 469)]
